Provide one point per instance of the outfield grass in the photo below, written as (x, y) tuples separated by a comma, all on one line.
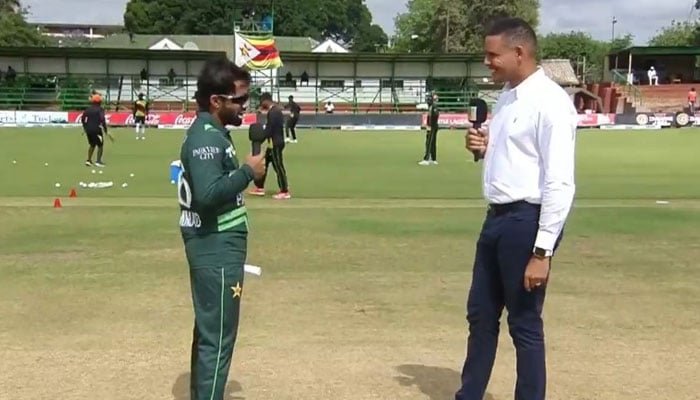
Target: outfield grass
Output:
[(365, 272)]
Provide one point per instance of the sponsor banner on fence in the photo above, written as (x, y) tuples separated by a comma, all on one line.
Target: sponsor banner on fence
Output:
[(174, 120), (183, 120), (380, 128), (462, 120), (678, 119), (32, 118)]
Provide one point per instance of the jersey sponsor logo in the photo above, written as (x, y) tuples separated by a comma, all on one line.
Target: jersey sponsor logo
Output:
[(190, 219), (206, 152)]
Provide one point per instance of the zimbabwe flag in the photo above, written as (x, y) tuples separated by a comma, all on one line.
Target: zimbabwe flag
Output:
[(256, 52)]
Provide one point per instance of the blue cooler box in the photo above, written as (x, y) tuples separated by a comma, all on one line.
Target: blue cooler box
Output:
[(175, 168)]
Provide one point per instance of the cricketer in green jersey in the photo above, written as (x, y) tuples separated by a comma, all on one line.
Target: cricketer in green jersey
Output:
[(213, 222)]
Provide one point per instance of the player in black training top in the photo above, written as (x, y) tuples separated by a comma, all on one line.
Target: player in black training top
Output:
[(294, 111), (94, 127), (274, 130)]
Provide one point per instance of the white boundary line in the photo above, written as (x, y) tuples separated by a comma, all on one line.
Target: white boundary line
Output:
[(267, 204)]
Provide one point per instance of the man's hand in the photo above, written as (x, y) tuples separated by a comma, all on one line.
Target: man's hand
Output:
[(536, 273), (477, 140), (257, 163)]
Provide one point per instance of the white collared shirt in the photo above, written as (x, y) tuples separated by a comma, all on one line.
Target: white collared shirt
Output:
[(530, 153)]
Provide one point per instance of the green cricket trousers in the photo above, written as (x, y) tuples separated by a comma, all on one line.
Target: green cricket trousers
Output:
[(216, 279)]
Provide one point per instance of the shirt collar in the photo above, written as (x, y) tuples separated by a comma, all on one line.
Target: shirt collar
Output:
[(206, 118), (529, 84)]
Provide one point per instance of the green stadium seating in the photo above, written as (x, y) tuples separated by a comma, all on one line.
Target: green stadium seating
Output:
[(12, 94), (74, 93)]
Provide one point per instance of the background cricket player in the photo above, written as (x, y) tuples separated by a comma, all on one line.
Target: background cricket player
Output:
[(294, 111), (213, 222), (140, 113), (274, 131), (430, 156), (94, 127)]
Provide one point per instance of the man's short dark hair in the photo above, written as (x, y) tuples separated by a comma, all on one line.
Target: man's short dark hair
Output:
[(515, 29), (266, 96), (217, 77)]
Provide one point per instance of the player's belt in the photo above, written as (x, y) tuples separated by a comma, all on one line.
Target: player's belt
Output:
[(232, 219)]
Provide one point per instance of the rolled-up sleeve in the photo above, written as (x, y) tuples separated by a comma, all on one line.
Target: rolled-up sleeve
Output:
[(556, 140)]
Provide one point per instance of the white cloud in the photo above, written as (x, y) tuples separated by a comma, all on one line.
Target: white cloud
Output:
[(642, 18)]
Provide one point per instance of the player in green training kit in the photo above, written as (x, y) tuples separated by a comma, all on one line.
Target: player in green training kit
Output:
[(213, 222)]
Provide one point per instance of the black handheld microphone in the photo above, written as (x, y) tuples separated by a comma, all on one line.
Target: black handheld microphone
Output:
[(256, 134), (478, 111)]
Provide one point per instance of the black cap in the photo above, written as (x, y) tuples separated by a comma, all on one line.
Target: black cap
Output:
[(266, 96)]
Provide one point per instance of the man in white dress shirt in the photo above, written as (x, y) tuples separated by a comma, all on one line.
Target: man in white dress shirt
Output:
[(528, 181)]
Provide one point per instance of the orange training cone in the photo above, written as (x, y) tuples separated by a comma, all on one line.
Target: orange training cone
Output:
[(73, 193), (57, 203)]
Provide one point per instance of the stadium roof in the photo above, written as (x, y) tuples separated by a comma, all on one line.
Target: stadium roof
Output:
[(658, 51), (96, 53), (387, 57), (223, 43)]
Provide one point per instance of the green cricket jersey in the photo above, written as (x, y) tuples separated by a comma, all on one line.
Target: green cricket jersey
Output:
[(210, 191)]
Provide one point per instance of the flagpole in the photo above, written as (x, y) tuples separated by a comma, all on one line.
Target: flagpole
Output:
[(234, 32), (272, 34)]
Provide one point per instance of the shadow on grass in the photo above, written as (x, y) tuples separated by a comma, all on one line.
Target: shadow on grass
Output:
[(181, 389), (438, 383)]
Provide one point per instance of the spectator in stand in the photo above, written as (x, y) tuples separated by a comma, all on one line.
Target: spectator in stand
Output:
[(692, 99), (330, 107), (10, 75), (653, 77)]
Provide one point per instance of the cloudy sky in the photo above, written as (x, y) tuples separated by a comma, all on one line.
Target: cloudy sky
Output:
[(642, 18)]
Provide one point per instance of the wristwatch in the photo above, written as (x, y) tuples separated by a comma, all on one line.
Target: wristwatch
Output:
[(541, 253)]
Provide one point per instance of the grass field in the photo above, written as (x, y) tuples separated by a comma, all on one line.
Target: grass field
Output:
[(365, 272)]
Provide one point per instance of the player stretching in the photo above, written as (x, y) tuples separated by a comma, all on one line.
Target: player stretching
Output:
[(94, 127), (140, 114)]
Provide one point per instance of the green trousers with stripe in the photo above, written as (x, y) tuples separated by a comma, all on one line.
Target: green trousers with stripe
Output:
[(217, 287)]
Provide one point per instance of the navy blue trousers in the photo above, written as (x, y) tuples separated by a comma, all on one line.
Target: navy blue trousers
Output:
[(502, 253)]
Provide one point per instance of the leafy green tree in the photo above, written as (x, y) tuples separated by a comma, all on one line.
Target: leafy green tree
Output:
[(346, 21), (9, 6), (587, 54), (14, 30), (677, 34), (455, 25)]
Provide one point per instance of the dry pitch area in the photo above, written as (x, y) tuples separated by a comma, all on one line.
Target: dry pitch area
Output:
[(365, 273)]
